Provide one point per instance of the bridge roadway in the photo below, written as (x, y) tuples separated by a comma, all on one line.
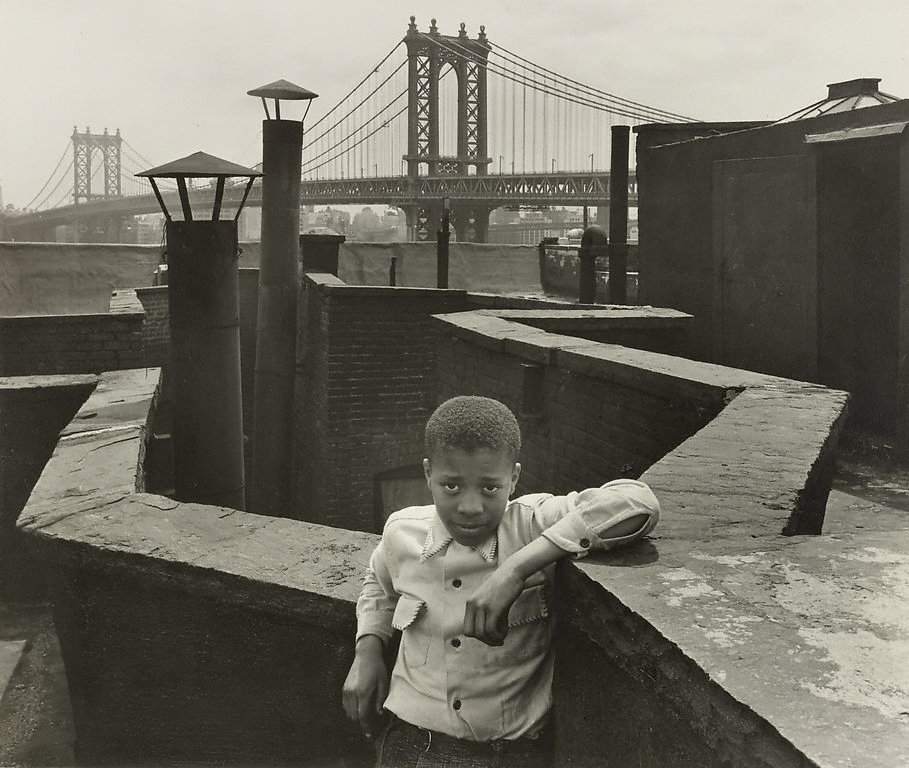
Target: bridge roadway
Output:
[(492, 191)]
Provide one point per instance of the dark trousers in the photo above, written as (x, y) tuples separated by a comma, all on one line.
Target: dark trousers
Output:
[(403, 745)]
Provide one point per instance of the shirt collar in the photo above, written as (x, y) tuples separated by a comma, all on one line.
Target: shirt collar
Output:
[(438, 538)]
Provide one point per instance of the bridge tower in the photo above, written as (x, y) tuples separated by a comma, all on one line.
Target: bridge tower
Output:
[(427, 56), (84, 148)]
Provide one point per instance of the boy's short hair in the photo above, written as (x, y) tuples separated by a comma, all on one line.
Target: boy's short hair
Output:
[(471, 422)]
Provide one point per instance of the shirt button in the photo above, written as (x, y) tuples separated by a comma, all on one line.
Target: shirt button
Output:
[(584, 543), (456, 583), (456, 704), (456, 643)]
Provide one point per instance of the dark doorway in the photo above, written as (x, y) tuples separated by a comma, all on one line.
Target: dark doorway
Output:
[(399, 488)]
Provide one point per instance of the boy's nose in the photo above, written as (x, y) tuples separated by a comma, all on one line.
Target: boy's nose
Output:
[(470, 503)]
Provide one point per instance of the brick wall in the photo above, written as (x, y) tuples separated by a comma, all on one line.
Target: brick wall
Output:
[(365, 386), (155, 330), (584, 419), (367, 380), (52, 344)]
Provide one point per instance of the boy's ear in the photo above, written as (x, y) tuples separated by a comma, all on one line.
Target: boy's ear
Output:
[(427, 470), (515, 474)]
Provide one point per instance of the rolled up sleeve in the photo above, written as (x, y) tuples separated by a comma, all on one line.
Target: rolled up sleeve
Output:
[(586, 518), (377, 601)]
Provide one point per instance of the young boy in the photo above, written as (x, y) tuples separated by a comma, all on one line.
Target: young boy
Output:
[(467, 581)]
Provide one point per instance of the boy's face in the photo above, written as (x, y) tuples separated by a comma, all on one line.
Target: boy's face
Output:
[(471, 490)]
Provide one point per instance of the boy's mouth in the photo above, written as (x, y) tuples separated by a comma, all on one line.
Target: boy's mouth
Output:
[(470, 527)]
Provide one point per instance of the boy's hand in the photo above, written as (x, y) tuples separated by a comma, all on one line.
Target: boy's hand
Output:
[(366, 685), (486, 614)]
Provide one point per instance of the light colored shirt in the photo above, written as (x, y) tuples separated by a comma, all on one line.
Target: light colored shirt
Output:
[(419, 580)]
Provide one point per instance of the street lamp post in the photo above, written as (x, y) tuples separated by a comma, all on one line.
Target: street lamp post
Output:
[(203, 298), (276, 328)]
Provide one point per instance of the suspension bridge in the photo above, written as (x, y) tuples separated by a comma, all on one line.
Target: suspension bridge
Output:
[(440, 116)]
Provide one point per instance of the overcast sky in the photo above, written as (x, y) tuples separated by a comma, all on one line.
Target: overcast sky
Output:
[(172, 75)]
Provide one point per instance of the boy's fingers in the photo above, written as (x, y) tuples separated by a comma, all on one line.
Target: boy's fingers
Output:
[(364, 716), (350, 705), (470, 621), (381, 693), (479, 624)]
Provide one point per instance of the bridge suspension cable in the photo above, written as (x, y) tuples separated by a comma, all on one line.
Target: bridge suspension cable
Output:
[(570, 118), (50, 194), (576, 95), (366, 135), (354, 89), (66, 150), (670, 116)]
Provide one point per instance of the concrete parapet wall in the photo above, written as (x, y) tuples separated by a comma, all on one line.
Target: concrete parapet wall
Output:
[(87, 343), (70, 279), (471, 266), (33, 411), (197, 634), (180, 650)]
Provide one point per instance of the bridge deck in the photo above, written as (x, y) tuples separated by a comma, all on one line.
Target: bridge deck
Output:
[(492, 190)]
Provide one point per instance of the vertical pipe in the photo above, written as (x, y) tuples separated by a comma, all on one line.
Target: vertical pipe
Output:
[(205, 362), (442, 238), (618, 214), (282, 146)]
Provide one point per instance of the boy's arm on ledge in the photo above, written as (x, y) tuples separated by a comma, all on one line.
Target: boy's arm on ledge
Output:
[(617, 513)]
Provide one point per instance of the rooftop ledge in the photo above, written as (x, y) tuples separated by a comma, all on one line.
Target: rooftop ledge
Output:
[(779, 648)]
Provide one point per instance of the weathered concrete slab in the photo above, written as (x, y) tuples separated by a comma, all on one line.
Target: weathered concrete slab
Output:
[(810, 633), (85, 506), (120, 399), (10, 653)]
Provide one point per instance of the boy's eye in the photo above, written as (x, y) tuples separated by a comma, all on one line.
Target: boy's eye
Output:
[(491, 489), (450, 487)]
